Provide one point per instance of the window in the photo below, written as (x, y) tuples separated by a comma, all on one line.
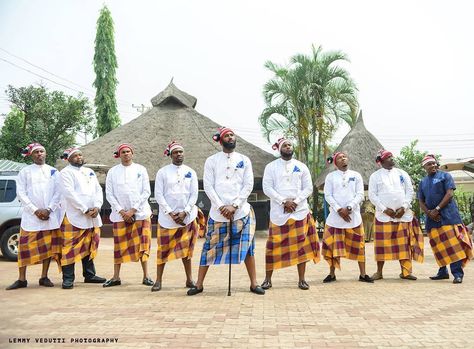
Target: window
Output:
[(7, 190)]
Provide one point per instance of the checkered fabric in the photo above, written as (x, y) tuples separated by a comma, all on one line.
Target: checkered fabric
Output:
[(343, 243), (451, 243), (216, 247), (398, 241), (179, 243), (36, 246), (132, 241), (292, 243), (77, 243)]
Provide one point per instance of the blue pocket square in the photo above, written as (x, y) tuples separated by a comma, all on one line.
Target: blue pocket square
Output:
[(53, 171), (188, 175), (240, 165), (296, 169)]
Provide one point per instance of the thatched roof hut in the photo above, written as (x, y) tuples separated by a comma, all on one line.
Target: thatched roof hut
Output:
[(361, 146), (173, 117)]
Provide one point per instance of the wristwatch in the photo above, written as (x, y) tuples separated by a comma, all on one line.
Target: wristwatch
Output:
[(437, 208), (235, 206), (349, 208)]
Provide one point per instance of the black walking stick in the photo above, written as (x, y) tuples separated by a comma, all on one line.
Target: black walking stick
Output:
[(230, 253)]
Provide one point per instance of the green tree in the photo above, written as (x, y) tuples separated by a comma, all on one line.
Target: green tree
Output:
[(105, 65), (307, 101), (50, 118)]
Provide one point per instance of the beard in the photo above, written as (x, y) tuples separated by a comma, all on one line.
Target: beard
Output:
[(287, 154), (229, 146)]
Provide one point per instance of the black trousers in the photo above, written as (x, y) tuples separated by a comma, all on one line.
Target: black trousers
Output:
[(88, 270)]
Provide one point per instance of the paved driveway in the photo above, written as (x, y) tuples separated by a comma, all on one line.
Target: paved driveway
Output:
[(346, 314)]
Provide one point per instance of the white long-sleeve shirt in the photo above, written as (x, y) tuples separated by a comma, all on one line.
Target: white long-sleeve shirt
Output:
[(228, 179), (80, 191), (128, 187), (176, 190), (38, 189), (391, 189), (283, 180), (344, 189)]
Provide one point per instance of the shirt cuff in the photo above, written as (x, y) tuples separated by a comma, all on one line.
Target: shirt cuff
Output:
[(406, 206), (167, 209), (32, 208)]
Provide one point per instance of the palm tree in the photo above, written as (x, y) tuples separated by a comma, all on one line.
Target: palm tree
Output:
[(308, 100)]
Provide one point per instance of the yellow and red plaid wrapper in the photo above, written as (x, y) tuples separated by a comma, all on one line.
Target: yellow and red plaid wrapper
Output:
[(132, 241), (451, 243), (179, 242), (36, 246), (343, 243), (398, 241), (77, 243), (292, 243)]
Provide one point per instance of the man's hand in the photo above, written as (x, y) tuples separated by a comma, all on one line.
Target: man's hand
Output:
[(227, 211), (289, 206), (42, 214), (389, 212), (178, 217), (93, 212), (345, 214), (127, 216), (434, 215), (399, 212)]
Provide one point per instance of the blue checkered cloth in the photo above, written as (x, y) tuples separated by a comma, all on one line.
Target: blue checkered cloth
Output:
[(216, 247)]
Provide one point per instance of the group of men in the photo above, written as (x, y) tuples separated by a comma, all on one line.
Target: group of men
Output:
[(61, 216)]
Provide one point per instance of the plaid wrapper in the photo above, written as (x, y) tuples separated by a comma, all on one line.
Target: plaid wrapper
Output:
[(36, 246), (179, 242), (343, 243), (293, 243), (216, 247), (398, 241), (451, 243), (77, 243), (132, 241)]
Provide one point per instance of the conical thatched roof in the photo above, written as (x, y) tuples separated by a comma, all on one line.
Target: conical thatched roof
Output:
[(172, 117), (361, 146)]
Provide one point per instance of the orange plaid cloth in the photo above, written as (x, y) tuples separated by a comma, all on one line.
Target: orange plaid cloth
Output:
[(132, 241), (36, 246), (179, 242), (398, 241), (77, 243), (346, 243), (292, 243), (451, 243)]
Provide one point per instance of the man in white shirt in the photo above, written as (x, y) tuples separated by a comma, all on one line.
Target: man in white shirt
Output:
[(397, 233), (80, 229), (176, 192), (292, 237), (344, 232), (228, 181), (39, 230), (127, 189)]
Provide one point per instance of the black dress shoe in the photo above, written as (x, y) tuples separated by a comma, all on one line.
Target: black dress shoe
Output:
[(46, 282), (67, 285), (112, 282), (147, 282), (366, 278), (303, 285), (457, 280), (95, 280), (190, 284), (193, 291), (266, 284), (329, 278), (440, 277), (18, 284), (156, 287), (257, 290)]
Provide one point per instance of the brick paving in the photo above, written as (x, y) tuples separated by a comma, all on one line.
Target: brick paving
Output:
[(345, 314)]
